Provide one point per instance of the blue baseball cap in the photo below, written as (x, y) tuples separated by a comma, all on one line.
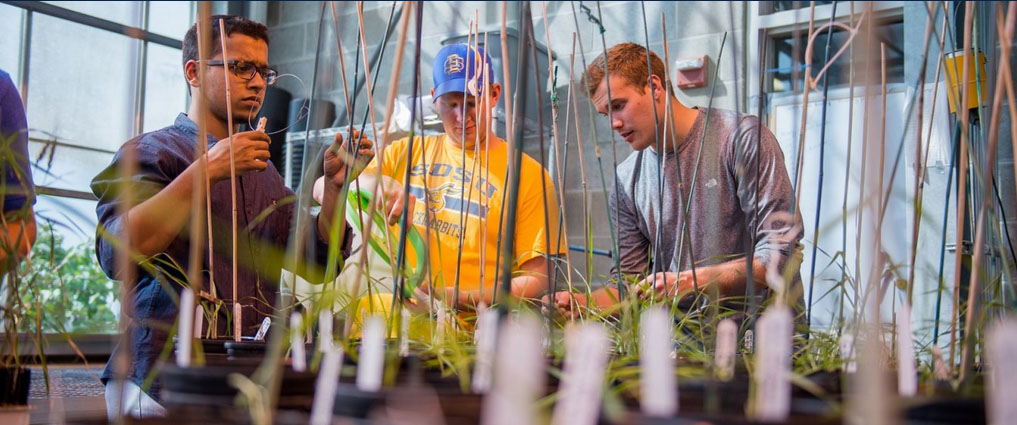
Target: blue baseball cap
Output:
[(459, 68)]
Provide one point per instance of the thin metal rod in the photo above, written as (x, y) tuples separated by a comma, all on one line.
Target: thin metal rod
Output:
[(822, 157)]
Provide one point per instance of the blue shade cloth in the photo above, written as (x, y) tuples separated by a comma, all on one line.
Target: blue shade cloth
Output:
[(266, 209), (17, 186)]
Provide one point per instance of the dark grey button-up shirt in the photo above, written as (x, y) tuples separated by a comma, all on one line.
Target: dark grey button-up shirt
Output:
[(265, 217)]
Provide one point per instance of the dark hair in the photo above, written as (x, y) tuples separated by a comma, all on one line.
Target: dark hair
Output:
[(232, 25), (628, 61)]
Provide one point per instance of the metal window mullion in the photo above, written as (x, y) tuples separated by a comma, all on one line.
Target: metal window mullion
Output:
[(24, 55), (95, 22), (141, 68)]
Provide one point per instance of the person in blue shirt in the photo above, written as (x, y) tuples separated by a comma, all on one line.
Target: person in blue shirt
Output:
[(18, 191), (154, 224)]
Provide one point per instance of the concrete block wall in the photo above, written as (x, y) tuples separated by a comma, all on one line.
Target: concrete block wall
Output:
[(692, 29)]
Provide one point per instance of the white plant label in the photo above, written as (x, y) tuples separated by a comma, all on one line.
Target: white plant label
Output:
[(297, 351), (372, 354), (404, 333), (659, 392), (325, 386), (939, 369), (907, 375), (582, 381), (324, 331), (185, 328), (518, 375), (199, 321), (266, 323), (724, 356), (772, 400), (848, 354), (749, 343), (1001, 353), (485, 336), (441, 318)]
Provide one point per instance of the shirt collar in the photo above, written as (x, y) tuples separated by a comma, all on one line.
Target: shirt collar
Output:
[(190, 128)]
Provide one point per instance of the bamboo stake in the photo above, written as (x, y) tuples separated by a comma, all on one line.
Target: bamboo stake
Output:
[(847, 178), (487, 174), (973, 317), (204, 44), (587, 230), (237, 311), (513, 187), (962, 177), (871, 403), (612, 224), (805, 105), (382, 144), (565, 149), (406, 220), (555, 145), (939, 66), (917, 213), (659, 145), (463, 211), (200, 194)]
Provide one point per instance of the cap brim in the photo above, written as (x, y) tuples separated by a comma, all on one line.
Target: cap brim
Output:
[(455, 85)]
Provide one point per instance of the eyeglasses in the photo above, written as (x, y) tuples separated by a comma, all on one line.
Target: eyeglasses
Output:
[(246, 70)]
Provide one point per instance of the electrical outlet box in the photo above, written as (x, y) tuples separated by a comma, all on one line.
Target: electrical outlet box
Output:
[(690, 72)]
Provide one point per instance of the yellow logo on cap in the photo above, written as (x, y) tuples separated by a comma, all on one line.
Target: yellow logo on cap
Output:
[(454, 63)]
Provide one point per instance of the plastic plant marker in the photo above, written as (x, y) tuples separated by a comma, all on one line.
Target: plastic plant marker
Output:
[(199, 320), (441, 319), (939, 369), (727, 343), (1001, 353), (237, 320), (659, 391), (185, 328), (325, 386), (749, 343), (324, 331), (372, 354), (297, 350), (404, 333), (907, 375), (772, 378), (263, 329), (485, 336), (582, 382), (518, 375), (848, 355)]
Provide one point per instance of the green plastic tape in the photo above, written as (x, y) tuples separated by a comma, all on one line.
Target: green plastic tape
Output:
[(360, 200)]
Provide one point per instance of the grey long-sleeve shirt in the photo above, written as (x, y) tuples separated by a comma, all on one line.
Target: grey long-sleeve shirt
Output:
[(724, 217)]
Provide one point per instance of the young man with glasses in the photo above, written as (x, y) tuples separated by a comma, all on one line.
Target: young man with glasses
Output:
[(157, 219)]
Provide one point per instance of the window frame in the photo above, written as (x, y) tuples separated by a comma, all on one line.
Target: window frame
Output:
[(30, 8), (97, 345), (785, 23)]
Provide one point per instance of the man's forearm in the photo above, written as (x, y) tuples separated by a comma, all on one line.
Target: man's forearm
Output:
[(728, 278), (328, 208), (155, 222)]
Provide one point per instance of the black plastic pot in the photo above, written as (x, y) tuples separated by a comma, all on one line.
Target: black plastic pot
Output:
[(946, 411), (245, 349), (208, 386), (351, 402), (14, 383)]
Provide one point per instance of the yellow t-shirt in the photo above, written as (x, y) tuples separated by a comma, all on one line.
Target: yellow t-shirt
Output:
[(443, 183)]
